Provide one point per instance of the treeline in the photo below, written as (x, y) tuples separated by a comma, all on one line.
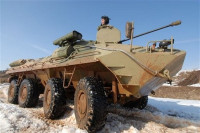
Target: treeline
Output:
[(3, 71), (3, 76)]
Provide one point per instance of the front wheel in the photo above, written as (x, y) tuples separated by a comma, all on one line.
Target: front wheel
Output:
[(90, 104)]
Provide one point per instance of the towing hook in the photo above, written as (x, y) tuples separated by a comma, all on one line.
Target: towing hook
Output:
[(166, 74)]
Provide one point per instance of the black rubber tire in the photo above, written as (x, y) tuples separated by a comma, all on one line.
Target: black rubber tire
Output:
[(40, 88), (13, 91), (56, 106), (141, 103), (96, 109), (32, 94)]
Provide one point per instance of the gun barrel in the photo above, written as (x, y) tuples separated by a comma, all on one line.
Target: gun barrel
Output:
[(172, 24), (176, 23)]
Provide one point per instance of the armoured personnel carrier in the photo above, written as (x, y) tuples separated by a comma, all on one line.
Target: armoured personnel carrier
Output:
[(96, 73)]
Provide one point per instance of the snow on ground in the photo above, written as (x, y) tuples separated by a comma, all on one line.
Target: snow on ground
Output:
[(189, 109), (174, 84), (161, 115), (16, 119), (187, 70), (195, 85), (147, 120)]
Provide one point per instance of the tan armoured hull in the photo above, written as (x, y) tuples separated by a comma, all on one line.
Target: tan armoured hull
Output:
[(133, 79)]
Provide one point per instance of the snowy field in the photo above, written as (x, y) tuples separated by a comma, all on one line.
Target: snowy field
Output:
[(195, 85), (160, 116)]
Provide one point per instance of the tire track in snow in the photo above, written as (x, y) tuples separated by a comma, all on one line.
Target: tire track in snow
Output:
[(151, 114)]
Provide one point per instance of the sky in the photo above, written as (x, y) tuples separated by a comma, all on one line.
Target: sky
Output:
[(29, 27)]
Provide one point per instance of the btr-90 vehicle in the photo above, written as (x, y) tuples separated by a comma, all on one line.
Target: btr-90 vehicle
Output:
[(96, 73)]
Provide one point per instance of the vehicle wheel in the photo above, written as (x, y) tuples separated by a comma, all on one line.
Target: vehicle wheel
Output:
[(141, 103), (28, 94), (13, 92), (54, 99), (90, 104)]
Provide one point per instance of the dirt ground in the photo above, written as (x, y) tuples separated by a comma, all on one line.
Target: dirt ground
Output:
[(182, 88), (188, 78), (178, 92)]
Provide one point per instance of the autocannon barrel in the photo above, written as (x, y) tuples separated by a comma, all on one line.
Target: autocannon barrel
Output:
[(172, 24)]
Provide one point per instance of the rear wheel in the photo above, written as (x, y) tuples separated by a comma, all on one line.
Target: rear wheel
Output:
[(13, 92), (28, 93), (90, 104), (54, 99), (141, 103)]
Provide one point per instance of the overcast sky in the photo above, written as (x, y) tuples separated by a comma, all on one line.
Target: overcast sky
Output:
[(29, 27)]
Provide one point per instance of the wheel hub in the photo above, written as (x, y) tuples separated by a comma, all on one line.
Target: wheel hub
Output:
[(23, 94), (48, 98), (82, 104), (11, 91)]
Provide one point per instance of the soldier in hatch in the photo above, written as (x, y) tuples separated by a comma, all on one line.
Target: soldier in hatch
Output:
[(104, 20)]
